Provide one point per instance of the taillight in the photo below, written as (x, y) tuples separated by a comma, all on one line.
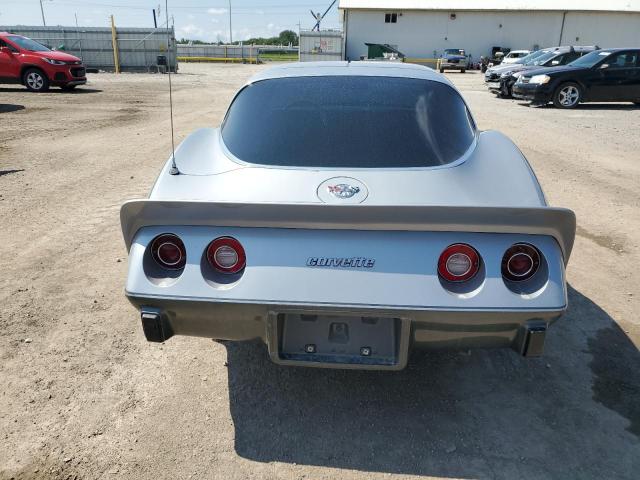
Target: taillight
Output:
[(458, 263), (226, 255), (520, 262), (169, 252)]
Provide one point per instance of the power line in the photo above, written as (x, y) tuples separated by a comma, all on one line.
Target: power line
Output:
[(182, 7)]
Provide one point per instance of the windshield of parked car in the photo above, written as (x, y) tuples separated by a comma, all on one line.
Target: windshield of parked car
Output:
[(544, 58), (454, 51), (27, 44), (348, 122), (528, 60), (590, 59)]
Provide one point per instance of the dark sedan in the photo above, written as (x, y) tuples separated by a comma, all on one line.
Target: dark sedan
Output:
[(610, 75), (553, 58)]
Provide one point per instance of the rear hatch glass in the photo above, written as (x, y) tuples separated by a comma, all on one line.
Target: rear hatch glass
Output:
[(348, 122)]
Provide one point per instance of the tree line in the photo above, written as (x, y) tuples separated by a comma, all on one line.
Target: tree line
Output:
[(285, 37)]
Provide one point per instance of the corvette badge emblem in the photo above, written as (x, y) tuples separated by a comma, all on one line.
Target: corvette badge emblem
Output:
[(343, 190)]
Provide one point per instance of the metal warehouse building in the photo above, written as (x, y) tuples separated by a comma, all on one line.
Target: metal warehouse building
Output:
[(422, 29)]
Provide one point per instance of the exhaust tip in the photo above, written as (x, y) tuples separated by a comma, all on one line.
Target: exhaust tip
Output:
[(155, 325), (530, 340)]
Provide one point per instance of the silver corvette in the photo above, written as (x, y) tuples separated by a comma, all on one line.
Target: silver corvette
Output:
[(345, 213)]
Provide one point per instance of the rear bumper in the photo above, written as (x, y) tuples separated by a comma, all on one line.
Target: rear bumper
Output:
[(458, 329)]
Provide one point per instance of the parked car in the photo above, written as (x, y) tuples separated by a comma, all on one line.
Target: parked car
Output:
[(514, 55), (30, 63), (611, 75), (557, 57), (454, 59), (402, 226), (492, 74)]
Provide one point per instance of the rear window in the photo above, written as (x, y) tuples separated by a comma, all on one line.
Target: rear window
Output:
[(348, 122)]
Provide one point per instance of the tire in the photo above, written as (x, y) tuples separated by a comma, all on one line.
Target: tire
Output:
[(68, 88), (442, 70), (567, 95), (463, 70), (35, 80)]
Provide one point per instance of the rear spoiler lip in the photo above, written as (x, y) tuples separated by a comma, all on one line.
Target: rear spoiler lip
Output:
[(278, 305), (559, 223)]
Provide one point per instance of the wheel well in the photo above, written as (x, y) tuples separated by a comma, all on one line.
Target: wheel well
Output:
[(29, 67)]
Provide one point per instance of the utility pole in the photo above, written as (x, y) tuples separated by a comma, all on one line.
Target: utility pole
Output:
[(114, 41), (230, 31), (79, 37), (42, 11)]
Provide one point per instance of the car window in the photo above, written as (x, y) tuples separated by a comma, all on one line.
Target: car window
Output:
[(623, 60), (556, 60), (590, 59), (28, 44), (542, 59), (570, 57), (348, 122), (11, 47), (529, 59)]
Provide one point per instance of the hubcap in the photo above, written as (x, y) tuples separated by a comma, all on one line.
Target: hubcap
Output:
[(569, 96), (35, 80)]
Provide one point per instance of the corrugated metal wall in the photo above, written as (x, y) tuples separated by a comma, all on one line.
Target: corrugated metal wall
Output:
[(325, 45), (234, 53), (138, 47), (218, 51)]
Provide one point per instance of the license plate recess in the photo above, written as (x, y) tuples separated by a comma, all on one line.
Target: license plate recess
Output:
[(339, 341)]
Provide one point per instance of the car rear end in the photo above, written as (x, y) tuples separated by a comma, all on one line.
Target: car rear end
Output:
[(349, 295), (345, 230)]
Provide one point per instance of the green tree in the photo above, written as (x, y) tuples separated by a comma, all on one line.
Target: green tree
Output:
[(288, 37)]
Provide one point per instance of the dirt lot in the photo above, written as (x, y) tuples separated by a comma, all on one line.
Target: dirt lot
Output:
[(85, 396)]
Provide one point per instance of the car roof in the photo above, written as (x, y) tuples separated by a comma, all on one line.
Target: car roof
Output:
[(360, 68), (618, 49)]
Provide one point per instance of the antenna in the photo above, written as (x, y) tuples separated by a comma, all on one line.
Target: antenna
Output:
[(174, 168), (319, 17)]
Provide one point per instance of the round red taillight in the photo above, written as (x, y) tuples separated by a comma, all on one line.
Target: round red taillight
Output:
[(169, 252), (458, 263), (226, 255), (520, 262)]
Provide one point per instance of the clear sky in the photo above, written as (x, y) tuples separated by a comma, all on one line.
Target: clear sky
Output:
[(194, 19)]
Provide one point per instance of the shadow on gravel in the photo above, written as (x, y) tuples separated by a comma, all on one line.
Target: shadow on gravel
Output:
[(608, 106), (75, 91), (10, 107), (587, 106), (7, 172), (478, 414)]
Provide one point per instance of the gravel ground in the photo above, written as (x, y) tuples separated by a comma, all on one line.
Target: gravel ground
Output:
[(85, 396)]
